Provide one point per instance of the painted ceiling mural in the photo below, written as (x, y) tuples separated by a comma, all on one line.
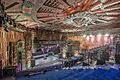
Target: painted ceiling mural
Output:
[(69, 16)]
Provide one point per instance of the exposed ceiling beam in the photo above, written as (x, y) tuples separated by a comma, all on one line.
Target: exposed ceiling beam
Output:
[(94, 5), (14, 12), (52, 4), (11, 5), (65, 1), (22, 20), (110, 2), (87, 4), (44, 16)]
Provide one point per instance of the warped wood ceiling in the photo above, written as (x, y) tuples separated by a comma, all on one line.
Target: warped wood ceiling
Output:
[(65, 15)]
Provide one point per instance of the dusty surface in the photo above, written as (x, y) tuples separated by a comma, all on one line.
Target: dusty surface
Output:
[(8, 78)]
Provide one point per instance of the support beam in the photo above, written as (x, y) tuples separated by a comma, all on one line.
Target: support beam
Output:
[(11, 5)]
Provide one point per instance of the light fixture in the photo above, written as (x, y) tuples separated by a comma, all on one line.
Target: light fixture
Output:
[(106, 34), (91, 35), (99, 35), (105, 38), (92, 39), (64, 55), (87, 38), (84, 35), (76, 54), (111, 37)]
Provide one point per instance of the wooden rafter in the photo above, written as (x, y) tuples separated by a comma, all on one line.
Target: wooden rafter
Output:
[(113, 6), (95, 4), (53, 8), (11, 5), (44, 16), (22, 20), (65, 1), (46, 20), (110, 2), (108, 11), (14, 12), (52, 4), (113, 15), (107, 6), (51, 13), (87, 4)]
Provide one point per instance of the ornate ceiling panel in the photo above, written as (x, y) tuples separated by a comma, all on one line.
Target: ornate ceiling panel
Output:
[(65, 15)]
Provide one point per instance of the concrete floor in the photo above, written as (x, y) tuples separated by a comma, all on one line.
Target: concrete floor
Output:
[(8, 78)]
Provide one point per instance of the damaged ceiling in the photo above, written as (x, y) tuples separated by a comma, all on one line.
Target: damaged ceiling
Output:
[(68, 16)]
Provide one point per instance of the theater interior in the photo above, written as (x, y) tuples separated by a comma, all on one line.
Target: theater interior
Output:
[(59, 39)]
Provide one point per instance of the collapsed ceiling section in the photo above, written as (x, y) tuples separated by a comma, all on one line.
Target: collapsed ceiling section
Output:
[(68, 16)]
